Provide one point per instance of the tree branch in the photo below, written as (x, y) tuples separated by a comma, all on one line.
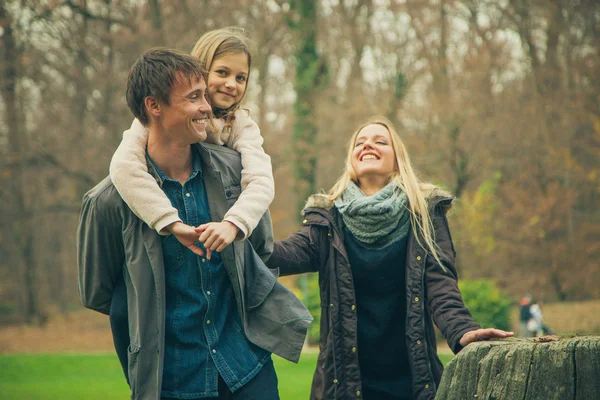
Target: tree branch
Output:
[(89, 15), (50, 160)]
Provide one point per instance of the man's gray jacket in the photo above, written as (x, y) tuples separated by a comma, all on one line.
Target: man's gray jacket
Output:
[(112, 242)]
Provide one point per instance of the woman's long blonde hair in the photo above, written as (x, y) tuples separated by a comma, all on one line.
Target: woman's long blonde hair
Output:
[(220, 43), (405, 178)]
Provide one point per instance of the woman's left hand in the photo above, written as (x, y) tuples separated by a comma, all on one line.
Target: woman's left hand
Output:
[(483, 334)]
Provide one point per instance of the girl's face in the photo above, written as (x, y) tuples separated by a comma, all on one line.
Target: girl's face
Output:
[(227, 79), (373, 153)]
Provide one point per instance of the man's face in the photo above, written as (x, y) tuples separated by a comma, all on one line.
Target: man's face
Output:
[(185, 119)]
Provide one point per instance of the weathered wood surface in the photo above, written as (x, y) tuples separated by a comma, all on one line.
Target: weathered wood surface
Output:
[(521, 369)]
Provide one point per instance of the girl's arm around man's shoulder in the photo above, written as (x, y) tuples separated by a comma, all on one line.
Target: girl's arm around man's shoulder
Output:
[(129, 174), (258, 186)]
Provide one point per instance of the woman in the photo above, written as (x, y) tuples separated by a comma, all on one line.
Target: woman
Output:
[(381, 244)]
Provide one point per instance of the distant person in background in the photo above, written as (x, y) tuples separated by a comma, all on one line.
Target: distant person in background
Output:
[(382, 247), (524, 316), (536, 325)]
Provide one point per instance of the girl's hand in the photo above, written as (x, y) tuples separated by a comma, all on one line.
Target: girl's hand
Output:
[(215, 236), (186, 235), (483, 334)]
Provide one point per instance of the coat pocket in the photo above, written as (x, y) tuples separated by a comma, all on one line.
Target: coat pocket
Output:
[(133, 355), (260, 280)]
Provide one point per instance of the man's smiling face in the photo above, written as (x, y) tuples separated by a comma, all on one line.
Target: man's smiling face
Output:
[(186, 117)]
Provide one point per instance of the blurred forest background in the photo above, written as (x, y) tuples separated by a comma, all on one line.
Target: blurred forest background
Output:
[(497, 101)]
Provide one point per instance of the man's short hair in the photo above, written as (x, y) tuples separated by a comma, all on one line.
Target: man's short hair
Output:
[(154, 73)]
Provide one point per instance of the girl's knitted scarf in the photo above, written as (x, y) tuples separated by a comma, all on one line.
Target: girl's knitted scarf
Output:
[(376, 220)]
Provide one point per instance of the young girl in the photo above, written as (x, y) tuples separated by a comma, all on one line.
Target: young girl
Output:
[(226, 56)]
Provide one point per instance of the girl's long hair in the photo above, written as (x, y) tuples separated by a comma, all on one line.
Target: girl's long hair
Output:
[(220, 43), (406, 178)]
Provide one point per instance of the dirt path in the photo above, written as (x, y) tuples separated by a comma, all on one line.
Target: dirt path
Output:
[(83, 331), (79, 332)]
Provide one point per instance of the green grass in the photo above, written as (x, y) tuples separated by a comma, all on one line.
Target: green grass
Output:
[(61, 376), (90, 377)]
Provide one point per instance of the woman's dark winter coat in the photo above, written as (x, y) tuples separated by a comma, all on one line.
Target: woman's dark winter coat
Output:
[(432, 294)]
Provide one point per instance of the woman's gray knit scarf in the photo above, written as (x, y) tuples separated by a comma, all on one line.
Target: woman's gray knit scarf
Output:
[(379, 219)]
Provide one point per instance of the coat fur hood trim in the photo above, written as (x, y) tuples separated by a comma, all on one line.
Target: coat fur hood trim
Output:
[(433, 195)]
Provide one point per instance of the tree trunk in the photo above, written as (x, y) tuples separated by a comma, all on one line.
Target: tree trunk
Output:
[(157, 22), (307, 83), (310, 73), (20, 226), (564, 369)]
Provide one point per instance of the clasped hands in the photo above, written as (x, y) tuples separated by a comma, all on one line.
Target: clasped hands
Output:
[(214, 236)]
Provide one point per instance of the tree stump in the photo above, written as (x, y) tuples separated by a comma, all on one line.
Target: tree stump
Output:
[(525, 369)]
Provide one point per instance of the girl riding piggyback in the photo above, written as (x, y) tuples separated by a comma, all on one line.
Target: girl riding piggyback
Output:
[(225, 53)]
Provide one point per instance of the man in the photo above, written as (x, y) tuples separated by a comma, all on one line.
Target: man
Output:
[(198, 328), (524, 316)]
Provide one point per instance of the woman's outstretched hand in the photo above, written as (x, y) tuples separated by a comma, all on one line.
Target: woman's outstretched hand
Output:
[(483, 334)]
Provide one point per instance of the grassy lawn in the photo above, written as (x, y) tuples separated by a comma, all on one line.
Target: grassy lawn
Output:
[(84, 376)]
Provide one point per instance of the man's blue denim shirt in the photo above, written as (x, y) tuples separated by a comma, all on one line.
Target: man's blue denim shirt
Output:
[(203, 330)]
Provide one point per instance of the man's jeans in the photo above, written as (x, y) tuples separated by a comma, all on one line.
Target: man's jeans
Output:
[(262, 387)]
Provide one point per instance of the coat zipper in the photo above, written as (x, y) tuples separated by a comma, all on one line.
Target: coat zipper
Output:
[(433, 384), (345, 258)]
